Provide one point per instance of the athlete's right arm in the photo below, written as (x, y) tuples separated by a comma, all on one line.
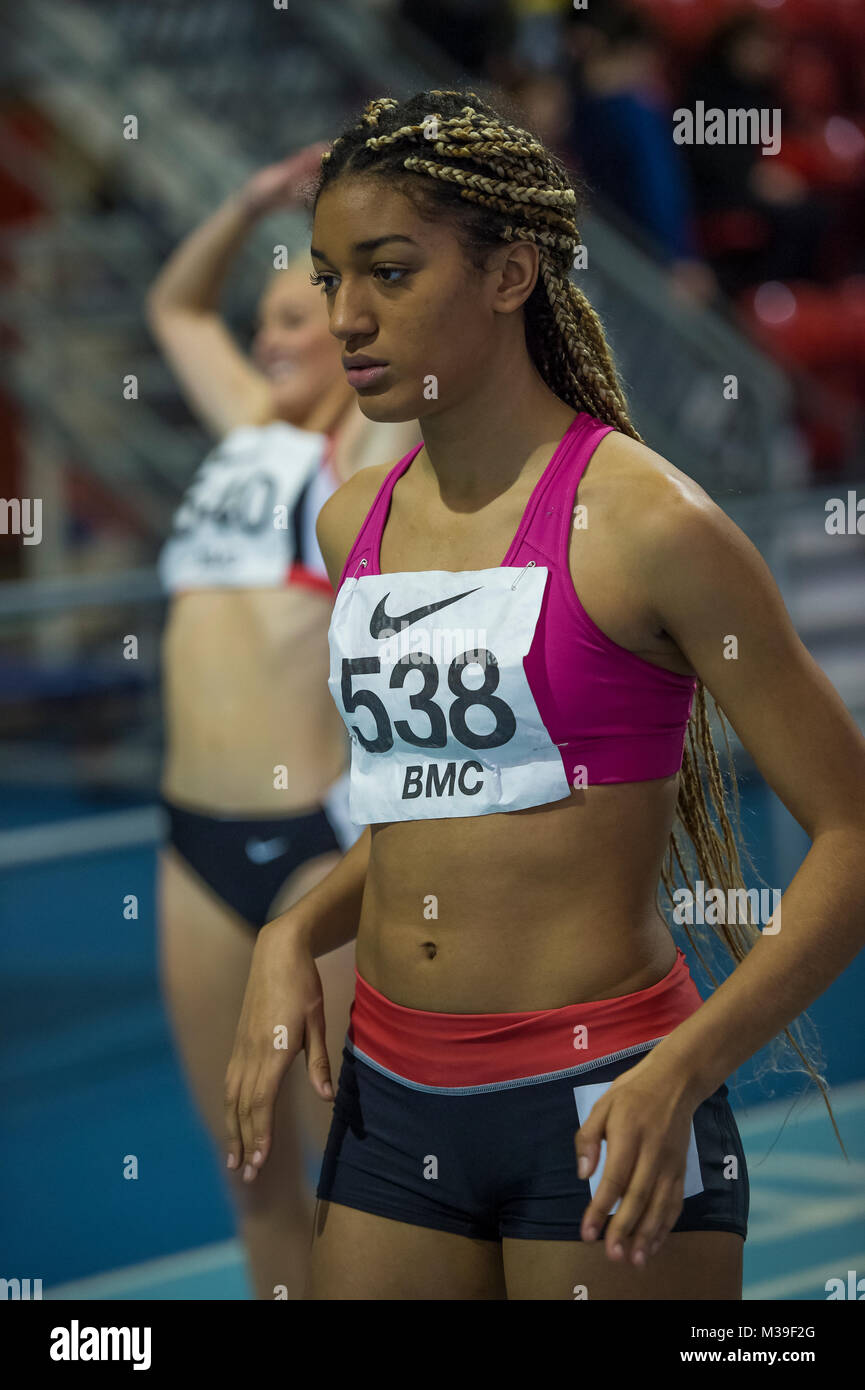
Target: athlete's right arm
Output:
[(283, 1007)]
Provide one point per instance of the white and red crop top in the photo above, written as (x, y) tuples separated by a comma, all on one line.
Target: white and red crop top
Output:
[(247, 519)]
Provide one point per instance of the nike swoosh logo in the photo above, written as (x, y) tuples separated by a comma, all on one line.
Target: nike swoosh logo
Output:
[(382, 622), (262, 851)]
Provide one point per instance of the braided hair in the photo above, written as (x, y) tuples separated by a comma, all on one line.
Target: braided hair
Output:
[(453, 156)]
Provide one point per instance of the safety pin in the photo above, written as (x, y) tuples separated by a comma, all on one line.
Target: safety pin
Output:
[(521, 573), (360, 565)]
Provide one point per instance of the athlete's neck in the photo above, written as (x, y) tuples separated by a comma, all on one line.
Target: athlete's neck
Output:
[(479, 447)]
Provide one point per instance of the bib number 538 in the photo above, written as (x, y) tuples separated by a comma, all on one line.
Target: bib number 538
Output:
[(465, 697)]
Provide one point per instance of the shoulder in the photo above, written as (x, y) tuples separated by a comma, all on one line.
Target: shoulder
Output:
[(658, 509), (342, 515), (668, 535), (635, 475)]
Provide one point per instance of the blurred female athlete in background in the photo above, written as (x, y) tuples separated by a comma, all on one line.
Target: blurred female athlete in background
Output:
[(254, 781)]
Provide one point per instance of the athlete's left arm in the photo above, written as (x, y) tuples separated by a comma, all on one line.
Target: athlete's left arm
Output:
[(715, 595), (712, 592)]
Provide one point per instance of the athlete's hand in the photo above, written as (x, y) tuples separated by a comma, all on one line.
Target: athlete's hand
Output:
[(283, 184), (283, 1011), (645, 1117)]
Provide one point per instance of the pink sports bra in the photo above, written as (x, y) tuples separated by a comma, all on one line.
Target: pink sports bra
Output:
[(613, 716)]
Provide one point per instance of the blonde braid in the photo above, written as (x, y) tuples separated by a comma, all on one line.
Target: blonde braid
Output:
[(519, 191), (371, 116)]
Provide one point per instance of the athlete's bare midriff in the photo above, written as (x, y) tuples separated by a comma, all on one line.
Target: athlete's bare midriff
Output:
[(531, 909), (244, 692), (524, 910)]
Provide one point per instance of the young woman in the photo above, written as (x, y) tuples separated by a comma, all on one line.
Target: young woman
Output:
[(530, 607), (253, 783)]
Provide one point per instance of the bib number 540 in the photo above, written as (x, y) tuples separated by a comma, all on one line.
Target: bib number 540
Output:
[(437, 737)]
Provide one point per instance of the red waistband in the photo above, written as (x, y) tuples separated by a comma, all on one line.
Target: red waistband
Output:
[(439, 1049)]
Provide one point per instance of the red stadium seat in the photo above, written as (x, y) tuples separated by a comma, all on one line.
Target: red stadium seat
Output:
[(689, 23), (819, 330), (843, 19), (850, 299), (797, 322), (733, 229), (832, 155), (818, 336), (810, 81)]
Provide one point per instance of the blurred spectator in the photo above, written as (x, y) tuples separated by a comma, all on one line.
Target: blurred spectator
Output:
[(544, 101), (621, 136), (537, 42), (470, 32), (758, 218)]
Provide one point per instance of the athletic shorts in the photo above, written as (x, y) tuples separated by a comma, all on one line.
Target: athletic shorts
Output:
[(246, 861), (466, 1122)]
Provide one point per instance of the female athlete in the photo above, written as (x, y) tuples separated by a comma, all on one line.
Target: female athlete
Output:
[(253, 783), (531, 606)]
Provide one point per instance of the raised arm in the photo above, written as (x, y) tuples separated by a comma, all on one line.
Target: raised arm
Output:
[(220, 383)]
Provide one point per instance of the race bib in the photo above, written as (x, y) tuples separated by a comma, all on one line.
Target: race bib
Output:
[(234, 527), (585, 1097), (426, 670)]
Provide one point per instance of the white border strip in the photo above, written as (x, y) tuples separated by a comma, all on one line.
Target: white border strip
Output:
[(62, 839), (807, 1109), (813, 1278), (184, 1265)]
